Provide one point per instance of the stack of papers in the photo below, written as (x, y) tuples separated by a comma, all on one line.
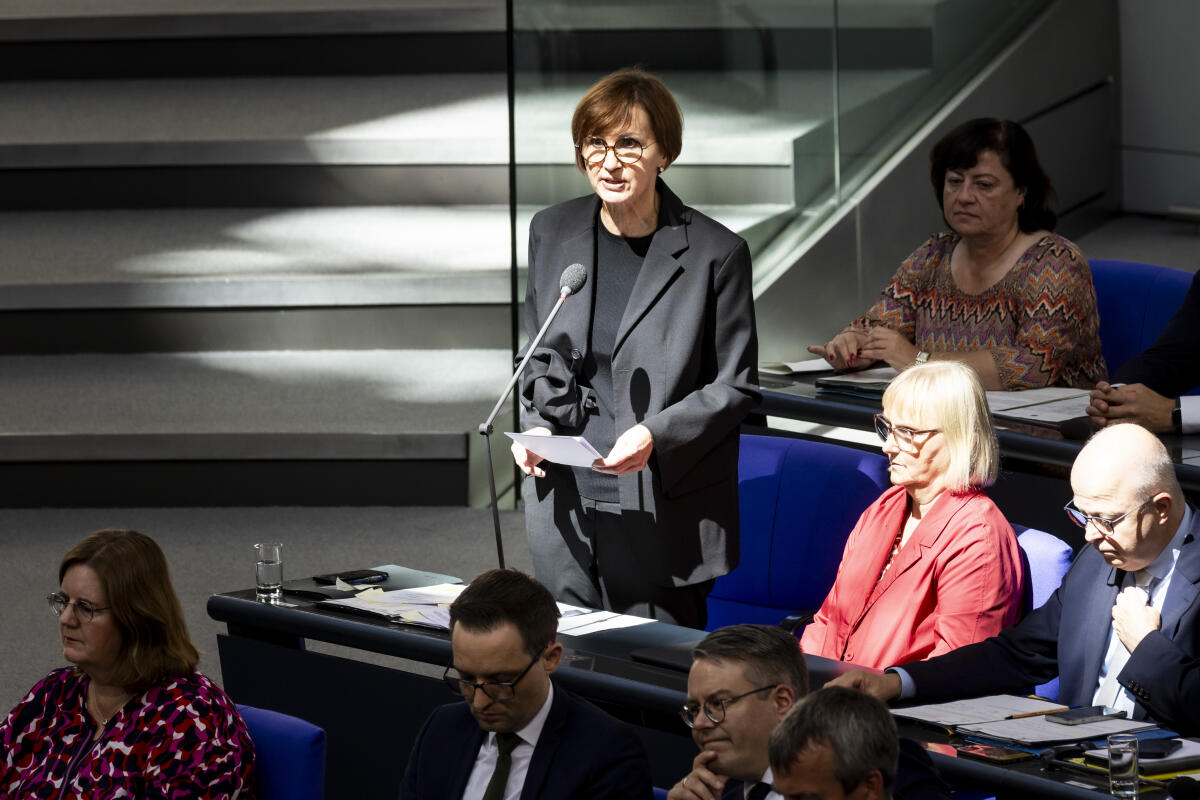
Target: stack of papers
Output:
[(794, 367), (1051, 405), (869, 383), (991, 718), (429, 606)]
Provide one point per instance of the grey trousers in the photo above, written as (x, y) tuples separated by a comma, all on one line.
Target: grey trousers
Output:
[(578, 553)]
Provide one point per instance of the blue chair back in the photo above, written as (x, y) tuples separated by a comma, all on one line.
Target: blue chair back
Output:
[(1045, 559), (799, 501), (1135, 301), (660, 794), (289, 755)]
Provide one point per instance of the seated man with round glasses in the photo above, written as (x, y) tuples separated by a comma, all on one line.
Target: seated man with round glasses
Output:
[(932, 565), (517, 735), (1123, 628)]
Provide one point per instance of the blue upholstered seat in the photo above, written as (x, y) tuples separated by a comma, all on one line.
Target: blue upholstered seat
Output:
[(799, 501), (1135, 302), (1046, 559), (289, 755)]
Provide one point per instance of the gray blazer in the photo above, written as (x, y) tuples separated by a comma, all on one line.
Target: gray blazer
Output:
[(684, 365)]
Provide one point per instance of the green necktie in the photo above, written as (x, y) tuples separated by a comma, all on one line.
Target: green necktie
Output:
[(506, 743)]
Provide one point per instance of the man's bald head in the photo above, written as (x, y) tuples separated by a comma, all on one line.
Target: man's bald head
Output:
[(1125, 470)]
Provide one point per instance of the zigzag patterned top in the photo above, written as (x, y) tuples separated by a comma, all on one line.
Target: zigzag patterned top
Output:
[(1039, 321)]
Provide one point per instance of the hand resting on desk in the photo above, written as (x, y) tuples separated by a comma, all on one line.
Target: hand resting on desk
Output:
[(1134, 402)]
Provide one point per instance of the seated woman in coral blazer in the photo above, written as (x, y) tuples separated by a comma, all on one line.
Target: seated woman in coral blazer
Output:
[(932, 564)]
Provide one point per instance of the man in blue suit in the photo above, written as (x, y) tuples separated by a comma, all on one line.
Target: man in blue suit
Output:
[(1123, 629), (517, 736)]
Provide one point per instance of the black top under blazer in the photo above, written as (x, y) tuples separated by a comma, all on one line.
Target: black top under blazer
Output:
[(684, 365)]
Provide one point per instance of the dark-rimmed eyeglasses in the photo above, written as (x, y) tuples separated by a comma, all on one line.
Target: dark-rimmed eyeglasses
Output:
[(84, 610), (594, 150), (714, 709), (1105, 524), (905, 437), (496, 690)]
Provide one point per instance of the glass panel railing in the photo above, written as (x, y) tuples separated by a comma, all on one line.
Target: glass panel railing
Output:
[(755, 81), (789, 105)]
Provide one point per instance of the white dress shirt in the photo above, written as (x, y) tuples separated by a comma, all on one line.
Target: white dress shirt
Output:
[(767, 777), (1189, 413), (485, 761), (1156, 578)]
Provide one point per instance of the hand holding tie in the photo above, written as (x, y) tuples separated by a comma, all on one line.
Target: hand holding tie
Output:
[(1134, 617)]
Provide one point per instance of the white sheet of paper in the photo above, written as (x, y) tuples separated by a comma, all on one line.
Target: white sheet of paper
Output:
[(596, 621), (1039, 730), (794, 367), (573, 451), (976, 709), (873, 375)]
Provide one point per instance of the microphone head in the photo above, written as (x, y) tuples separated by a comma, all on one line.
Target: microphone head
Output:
[(572, 280)]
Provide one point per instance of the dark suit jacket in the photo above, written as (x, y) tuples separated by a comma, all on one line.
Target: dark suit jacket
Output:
[(1068, 636), (582, 753), (1171, 366), (684, 365)]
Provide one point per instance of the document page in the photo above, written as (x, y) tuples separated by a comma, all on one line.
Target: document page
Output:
[(573, 451), (794, 367), (1039, 730), (978, 709), (1050, 405)]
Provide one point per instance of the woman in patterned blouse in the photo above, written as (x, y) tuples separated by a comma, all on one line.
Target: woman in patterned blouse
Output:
[(1001, 292), (133, 717)]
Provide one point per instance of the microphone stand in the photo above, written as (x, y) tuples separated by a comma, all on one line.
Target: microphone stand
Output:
[(485, 429)]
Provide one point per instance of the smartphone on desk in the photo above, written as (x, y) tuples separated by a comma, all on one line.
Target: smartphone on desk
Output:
[(1078, 716), (994, 753), (355, 577)]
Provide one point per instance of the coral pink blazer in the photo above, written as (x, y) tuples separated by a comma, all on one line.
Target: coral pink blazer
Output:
[(957, 580)]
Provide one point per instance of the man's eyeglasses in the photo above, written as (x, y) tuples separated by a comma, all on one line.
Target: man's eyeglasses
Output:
[(1103, 523), (83, 609), (714, 709), (904, 436), (594, 150), (497, 690)]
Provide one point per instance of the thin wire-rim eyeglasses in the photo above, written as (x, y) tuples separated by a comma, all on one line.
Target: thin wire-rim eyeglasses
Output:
[(903, 436), (1105, 524), (689, 712), (460, 686), (594, 150), (83, 609)]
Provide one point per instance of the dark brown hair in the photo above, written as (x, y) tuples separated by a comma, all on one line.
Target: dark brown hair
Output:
[(768, 654), (154, 637), (960, 150), (611, 101), (508, 595)]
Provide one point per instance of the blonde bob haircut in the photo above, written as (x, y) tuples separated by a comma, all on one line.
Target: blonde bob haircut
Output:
[(947, 396), (611, 102), (137, 584)]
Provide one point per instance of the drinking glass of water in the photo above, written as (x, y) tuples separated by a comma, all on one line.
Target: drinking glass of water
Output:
[(1123, 765), (268, 571)]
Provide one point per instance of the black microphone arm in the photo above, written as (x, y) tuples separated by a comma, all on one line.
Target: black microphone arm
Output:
[(572, 280)]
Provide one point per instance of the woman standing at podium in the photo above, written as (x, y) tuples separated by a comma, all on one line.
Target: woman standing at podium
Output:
[(932, 565), (132, 717), (653, 361)]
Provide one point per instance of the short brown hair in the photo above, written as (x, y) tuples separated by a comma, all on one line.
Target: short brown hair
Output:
[(508, 595), (611, 101), (768, 654), (137, 582)]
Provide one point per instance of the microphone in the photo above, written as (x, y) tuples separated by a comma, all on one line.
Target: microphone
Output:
[(572, 280)]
